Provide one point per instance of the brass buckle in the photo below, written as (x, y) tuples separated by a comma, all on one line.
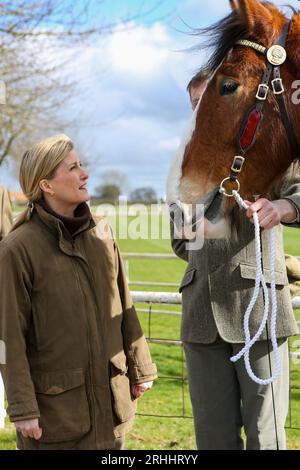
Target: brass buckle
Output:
[(222, 189), (277, 82), (262, 92), (237, 158)]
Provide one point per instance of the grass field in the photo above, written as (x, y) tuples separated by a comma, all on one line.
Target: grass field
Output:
[(169, 396)]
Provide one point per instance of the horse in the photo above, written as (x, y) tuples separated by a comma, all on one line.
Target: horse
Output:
[(244, 134)]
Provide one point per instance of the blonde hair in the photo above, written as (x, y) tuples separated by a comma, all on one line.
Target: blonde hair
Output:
[(38, 163)]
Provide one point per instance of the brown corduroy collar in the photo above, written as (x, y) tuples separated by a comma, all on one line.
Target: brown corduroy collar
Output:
[(82, 216)]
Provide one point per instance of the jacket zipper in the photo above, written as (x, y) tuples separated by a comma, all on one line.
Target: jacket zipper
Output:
[(90, 354)]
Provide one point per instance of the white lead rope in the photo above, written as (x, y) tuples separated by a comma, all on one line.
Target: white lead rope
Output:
[(260, 281)]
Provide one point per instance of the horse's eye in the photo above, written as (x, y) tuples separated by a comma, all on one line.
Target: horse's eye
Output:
[(228, 88)]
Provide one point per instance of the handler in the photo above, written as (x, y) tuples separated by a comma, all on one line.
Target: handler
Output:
[(76, 357), (214, 295)]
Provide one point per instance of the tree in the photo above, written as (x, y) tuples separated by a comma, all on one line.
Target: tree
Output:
[(115, 178), (147, 195), (108, 192), (38, 38)]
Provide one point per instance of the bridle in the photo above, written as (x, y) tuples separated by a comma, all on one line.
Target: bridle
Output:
[(276, 56)]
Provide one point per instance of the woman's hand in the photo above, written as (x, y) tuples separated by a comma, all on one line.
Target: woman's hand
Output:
[(138, 390), (29, 428), (271, 213)]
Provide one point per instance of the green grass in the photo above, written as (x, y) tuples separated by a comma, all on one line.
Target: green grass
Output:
[(169, 396)]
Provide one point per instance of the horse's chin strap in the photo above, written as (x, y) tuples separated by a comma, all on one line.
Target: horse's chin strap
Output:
[(260, 281)]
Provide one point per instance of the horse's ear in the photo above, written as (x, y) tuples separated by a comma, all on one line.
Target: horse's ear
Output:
[(234, 5), (254, 15)]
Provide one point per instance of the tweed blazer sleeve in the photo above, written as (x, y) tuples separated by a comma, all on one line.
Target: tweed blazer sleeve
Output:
[(178, 244), (290, 190)]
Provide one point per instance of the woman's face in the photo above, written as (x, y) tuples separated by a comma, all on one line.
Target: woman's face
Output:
[(69, 182)]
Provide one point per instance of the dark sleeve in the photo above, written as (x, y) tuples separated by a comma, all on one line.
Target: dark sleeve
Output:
[(179, 244)]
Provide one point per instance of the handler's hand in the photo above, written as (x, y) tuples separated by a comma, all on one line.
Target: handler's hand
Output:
[(138, 390), (29, 428), (271, 213)]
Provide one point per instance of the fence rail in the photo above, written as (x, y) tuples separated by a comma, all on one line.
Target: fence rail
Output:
[(173, 298), (153, 256)]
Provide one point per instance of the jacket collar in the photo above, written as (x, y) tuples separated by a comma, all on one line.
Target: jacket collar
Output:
[(58, 229)]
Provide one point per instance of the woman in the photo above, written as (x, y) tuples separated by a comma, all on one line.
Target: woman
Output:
[(76, 357)]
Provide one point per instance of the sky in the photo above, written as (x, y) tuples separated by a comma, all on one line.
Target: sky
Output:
[(132, 98)]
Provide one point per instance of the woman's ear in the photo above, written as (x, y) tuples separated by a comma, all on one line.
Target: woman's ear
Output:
[(46, 187)]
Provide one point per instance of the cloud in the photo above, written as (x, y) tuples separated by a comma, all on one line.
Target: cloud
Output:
[(169, 144), (134, 88)]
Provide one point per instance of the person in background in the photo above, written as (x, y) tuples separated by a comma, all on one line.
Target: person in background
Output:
[(6, 219), (293, 272), (77, 359)]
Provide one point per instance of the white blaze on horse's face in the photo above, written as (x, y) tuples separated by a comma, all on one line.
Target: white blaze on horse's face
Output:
[(175, 172), (178, 188)]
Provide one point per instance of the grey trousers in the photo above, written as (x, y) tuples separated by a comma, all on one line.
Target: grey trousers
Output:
[(120, 443), (225, 399)]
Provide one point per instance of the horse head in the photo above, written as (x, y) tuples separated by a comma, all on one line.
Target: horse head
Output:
[(237, 117)]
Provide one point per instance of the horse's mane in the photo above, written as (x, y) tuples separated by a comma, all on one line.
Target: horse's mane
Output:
[(222, 35)]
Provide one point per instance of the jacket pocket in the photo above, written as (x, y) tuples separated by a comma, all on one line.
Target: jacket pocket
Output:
[(63, 404), (249, 272), (187, 278), (123, 404)]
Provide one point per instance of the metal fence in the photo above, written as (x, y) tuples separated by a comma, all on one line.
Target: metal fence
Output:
[(163, 298)]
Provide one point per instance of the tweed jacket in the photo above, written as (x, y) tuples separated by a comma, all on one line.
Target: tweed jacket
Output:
[(219, 280)]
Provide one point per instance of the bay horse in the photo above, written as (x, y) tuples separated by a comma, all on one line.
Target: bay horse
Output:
[(245, 132)]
